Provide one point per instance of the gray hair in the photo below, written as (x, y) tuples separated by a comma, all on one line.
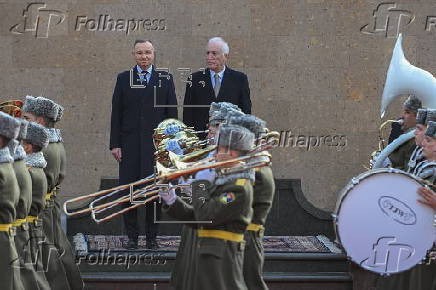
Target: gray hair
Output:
[(224, 46)]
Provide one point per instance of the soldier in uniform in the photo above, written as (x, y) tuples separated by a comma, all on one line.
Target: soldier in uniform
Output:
[(9, 194), (223, 205), (422, 118), (263, 196), (183, 275), (35, 140), (401, 156), (28, 274), (47, 113)]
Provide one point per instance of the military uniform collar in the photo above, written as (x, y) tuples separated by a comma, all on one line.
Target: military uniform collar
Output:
[(20, 154), (36, 160), (5, 155), (54, 135)]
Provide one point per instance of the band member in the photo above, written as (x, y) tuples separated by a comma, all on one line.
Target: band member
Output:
[(35, 140), (218, 83), (184, 272), (136, 111), (422, 118), (421, 276), (27, 272), (224, 205), (47, 113), (400, 157), (9, 194), (263, 196), (217, 118)]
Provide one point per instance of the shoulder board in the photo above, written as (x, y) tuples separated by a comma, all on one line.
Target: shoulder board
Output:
[(241, 181)]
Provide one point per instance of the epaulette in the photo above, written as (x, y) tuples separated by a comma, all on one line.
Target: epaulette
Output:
[(241, 182)]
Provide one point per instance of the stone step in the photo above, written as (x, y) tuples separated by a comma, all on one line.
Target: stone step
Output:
[(154, 261), (160, 280)]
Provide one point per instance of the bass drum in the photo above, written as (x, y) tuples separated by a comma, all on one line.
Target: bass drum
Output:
[(380, 224)]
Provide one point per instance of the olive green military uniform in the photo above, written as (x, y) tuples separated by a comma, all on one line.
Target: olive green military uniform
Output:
[(263, 196), (220, 252), (220, 244), (401, 156), (60, 238), (183, 274), (10, 277), (51, 273), (55, 171), (22, 238)]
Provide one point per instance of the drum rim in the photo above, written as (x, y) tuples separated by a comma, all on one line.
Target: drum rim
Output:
[(344, 193)]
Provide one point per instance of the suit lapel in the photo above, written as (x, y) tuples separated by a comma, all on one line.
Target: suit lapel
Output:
[(208, 82)]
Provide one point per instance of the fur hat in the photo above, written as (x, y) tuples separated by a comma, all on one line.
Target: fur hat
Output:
[(430, 116), (37, 135), (223, 115), (23, 129), (9, 126), (421, 116), (221, 105), (60, 113), (42, 107), (413, 103), (252, 123), (236, 138)]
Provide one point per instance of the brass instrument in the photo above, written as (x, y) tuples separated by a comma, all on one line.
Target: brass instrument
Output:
[(170, 166), (381, 141), (12, 108)]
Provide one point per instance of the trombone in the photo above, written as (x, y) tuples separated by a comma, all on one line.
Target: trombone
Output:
[(150, 191)]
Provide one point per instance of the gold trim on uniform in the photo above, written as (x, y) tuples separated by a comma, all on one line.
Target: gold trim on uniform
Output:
[(241, 182)]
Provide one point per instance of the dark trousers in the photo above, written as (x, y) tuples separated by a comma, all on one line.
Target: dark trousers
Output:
[(131, 220)]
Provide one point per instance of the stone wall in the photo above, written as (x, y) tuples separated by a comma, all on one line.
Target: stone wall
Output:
[(316, 68)]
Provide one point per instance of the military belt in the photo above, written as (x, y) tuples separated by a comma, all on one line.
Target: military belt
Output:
[(255, 227), (8, 228), (18, 222), (31, 218), (219, 234)]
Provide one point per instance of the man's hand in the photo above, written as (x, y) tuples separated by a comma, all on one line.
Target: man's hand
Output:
[(428, 197), (116, 153), (168, 196)]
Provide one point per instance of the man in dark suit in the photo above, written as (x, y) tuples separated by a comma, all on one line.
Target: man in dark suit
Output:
[(218, 83), (136, 111)]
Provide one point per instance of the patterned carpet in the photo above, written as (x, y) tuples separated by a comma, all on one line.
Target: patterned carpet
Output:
[(282, 244)]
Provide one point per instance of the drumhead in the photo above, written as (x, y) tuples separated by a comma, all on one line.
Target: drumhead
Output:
[(380, 223)]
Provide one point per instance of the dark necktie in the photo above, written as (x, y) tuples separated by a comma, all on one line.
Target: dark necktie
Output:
[(144, 74)]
